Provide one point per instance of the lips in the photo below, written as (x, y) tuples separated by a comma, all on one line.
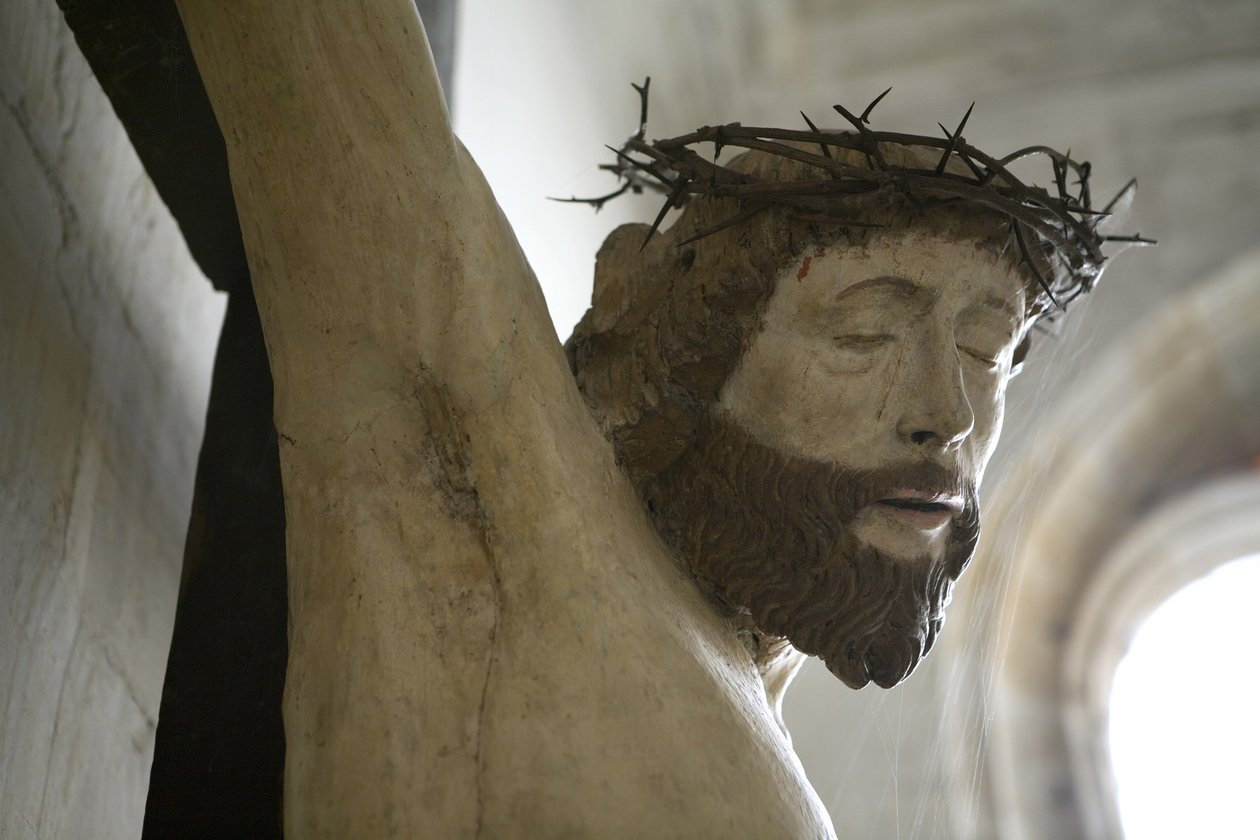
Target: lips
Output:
[(922, 509)]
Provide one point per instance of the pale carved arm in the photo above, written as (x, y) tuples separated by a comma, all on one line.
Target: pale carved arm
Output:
[(422, 399), (371, 231)]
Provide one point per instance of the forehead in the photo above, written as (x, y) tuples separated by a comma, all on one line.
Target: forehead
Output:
[(910, 268)]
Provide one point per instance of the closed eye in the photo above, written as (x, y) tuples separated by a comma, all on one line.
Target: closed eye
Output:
[(989, 359), (856, 341)]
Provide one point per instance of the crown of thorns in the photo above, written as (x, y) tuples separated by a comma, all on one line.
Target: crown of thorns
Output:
[(1062, 226)]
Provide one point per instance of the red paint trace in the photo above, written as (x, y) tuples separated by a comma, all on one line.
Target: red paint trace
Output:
[(804, 269)]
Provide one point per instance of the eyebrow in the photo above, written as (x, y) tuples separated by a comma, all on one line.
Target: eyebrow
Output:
[(905, 288), (900, 285)]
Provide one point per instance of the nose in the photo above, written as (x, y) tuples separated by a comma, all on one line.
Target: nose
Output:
[(936, 412)]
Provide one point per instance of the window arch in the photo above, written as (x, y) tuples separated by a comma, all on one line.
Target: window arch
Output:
[(1169, 413), (1174, 545), (1180, 772)]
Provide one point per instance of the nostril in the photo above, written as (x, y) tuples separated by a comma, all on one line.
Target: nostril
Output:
[(921, 437)]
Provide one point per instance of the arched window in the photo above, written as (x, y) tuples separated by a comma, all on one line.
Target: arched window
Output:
[(1183, 727)]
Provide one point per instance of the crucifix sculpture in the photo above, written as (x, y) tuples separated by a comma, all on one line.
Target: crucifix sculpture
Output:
[(538, 590)]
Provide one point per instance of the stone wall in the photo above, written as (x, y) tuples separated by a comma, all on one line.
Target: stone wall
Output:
[(106, 337)]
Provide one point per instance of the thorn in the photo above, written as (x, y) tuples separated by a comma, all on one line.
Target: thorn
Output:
[(856, 122), (867, 113), (741, 216), (826, 152), (669, 202), (643, 106), (971, 164), (1023, 250), (953, 139), (599, 201), (1123, 191), (966, 117), (1060, 168), (870, 146), (637, 164), (1135, 239)]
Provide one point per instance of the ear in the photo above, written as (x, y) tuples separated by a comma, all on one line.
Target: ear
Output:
[(618, 266)]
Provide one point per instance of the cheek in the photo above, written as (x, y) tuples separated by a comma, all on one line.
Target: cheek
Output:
[(989, 415), (789, 396), (816, 383), (763, 377)]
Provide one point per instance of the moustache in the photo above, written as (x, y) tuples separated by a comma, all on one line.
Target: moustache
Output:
[(924, 485)]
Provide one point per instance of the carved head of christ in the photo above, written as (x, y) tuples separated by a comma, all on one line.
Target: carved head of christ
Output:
[(808, 416)]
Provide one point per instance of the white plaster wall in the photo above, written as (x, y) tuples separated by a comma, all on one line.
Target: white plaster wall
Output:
[(107, 333)]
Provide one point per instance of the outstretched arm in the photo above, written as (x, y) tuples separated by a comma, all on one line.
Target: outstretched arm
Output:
[(422, 399), (371, 232)]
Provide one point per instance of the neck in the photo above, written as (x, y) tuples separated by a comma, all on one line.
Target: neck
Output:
[(777, 662)]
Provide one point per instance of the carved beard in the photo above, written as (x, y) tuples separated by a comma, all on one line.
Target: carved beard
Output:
[(769, 535)]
